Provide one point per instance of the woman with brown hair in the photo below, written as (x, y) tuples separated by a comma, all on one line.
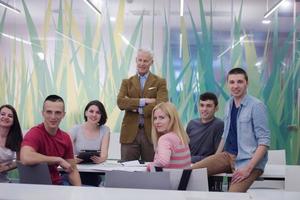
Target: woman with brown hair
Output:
[(10, 140)]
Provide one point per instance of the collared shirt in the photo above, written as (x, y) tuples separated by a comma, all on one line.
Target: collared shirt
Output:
[(252, 130), (143, 80)]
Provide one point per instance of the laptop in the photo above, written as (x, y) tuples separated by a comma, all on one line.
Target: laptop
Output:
[(140, 180)]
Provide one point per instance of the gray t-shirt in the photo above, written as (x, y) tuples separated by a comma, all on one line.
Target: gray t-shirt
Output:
[(204, 138), (82, 143)]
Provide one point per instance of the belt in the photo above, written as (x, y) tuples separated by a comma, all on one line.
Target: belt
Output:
[(141, 126)]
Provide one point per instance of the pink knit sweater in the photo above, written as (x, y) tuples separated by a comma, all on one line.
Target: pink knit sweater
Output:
[(171, 153)]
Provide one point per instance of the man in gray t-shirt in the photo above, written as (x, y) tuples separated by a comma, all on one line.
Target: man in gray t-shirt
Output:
[(205, 132)]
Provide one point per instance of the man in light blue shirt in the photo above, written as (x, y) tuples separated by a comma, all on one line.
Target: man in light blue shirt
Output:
[(246, 137)]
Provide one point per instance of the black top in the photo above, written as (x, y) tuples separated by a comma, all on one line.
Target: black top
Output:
[(231, 141)]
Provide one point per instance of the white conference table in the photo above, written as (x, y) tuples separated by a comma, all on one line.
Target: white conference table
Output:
[(11, 191), (109, 165), (49, 192), (272, 172), (270, 194)]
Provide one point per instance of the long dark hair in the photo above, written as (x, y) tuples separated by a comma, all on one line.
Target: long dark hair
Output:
[(14, 137)]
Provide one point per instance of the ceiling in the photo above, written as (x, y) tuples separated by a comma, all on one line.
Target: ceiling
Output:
[(223, 14), (223, 11)]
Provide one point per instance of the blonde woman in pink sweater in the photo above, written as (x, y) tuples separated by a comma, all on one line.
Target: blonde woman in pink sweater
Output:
[(169, 139)]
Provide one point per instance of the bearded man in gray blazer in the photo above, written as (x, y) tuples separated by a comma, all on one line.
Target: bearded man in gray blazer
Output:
[(137, 96)]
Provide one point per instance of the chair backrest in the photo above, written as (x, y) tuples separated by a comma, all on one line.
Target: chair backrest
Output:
[(292, 177), (114, 150), (276, 157), (34, 174), (140, 180), (198, 180)]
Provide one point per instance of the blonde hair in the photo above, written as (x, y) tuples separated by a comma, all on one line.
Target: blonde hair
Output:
[(175, 125)]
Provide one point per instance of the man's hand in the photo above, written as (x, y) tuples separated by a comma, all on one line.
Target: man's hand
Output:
[(4, 167), (240, 174), (65, 165), (150, 100), (78, 160)]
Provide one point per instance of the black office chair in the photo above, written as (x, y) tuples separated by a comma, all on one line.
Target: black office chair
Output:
[(34, 174)]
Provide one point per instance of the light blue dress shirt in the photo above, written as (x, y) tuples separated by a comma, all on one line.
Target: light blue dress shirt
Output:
[(142, 103), (252, 130)]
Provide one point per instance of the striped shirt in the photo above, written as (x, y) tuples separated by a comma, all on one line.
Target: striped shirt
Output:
[(171, 153)]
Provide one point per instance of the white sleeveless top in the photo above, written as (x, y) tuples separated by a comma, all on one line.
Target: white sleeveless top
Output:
[(6, 156), (82, 143)]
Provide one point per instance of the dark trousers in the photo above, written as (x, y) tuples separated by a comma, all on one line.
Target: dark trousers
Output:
[(139, 149)]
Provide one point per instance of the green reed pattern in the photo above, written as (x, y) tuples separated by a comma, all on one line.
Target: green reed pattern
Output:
[(75, 71)]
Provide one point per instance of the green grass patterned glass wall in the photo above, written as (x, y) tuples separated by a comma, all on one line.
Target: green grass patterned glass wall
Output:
[(89, 61)]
